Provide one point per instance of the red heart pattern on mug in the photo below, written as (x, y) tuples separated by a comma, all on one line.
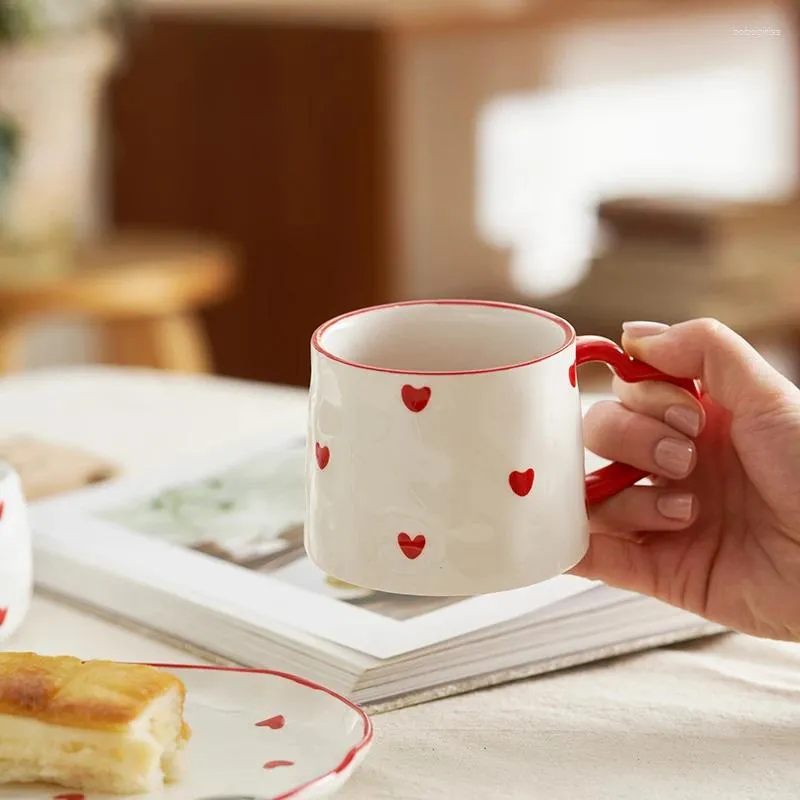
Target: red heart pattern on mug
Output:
[(521, 483), (411, 548), (323, 455), (416, 399)]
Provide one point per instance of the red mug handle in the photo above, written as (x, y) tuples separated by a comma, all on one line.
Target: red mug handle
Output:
[(612, 479)]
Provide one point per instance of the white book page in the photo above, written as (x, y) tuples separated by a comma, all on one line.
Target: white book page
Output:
[(225, 532)]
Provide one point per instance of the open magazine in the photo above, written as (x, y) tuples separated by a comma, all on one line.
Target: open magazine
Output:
[(210, 553)]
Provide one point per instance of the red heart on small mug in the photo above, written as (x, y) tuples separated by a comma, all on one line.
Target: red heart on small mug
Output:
[(323, 455), (416, 399), (521, 483), (411, 548)]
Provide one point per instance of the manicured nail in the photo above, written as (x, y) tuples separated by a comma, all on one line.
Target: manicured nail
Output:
[(676, 506), (640, 330), (674, 456), (683, 419)]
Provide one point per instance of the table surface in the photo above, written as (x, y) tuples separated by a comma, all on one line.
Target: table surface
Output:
[(718, 718)]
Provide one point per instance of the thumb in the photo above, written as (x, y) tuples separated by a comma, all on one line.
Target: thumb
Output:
[(732, 372)]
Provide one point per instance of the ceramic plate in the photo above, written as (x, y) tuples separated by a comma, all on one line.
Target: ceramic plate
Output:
[(257, 735)]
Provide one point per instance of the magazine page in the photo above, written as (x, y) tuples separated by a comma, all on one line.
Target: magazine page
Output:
[(226, 532)]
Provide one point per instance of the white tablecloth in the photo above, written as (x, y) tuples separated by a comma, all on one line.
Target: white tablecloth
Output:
[(715, 719)]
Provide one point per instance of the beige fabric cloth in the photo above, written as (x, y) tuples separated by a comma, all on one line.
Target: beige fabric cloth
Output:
[(718, 719), (714, 719)]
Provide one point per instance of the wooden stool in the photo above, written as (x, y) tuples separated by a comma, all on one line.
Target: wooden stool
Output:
[(143, 290)]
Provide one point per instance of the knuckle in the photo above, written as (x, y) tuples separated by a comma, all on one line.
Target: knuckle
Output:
[(610, 429), (625, 391), (599, 424), (627, 433), (645, 397), (707, 327)]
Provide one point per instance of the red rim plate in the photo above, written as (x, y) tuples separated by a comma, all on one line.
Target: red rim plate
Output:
[(352, 754)]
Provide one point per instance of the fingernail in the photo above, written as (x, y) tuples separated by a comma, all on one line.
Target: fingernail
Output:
[(683, 419), (640, 330), (674, 456), (676, 506)]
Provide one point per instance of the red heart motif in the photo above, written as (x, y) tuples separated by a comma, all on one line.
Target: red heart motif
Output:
[(412, 548), (521, 483), (276, 723), (416, 399), (70, 797), (273, 764), (3, 615), (573, 375), (323, 456)]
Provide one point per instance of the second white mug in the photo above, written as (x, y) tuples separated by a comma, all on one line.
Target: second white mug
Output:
[(16, 559)]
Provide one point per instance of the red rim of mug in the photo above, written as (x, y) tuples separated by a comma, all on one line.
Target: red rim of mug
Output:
[(569, 338)]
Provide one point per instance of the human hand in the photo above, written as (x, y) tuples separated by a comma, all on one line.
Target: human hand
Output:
[(719, 532)]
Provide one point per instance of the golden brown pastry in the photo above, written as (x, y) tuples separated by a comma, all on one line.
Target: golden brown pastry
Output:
[(96, 726)]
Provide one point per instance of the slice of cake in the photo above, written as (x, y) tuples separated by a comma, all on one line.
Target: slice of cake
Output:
[(96, 726)]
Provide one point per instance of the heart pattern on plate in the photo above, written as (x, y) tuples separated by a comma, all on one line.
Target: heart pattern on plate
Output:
[(276, 722), (415, 399), (323, 455), (411, 548), (521, 483)]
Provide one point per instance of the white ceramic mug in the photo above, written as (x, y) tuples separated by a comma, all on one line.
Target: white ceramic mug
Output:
[(16, 559), (446, 449)]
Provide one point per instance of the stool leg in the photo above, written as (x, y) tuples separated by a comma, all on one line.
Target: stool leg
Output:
[(175, 342), (12, 345)]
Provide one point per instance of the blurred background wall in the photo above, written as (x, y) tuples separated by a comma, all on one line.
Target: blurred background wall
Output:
[(365, 151), (670, 107)]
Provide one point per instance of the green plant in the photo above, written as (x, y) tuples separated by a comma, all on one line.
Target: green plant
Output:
[(22, 20), (10, 141)]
